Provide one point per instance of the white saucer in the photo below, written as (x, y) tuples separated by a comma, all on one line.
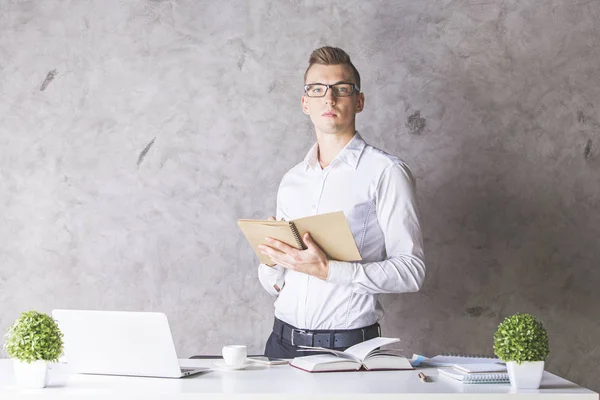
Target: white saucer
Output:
[(221, 364)]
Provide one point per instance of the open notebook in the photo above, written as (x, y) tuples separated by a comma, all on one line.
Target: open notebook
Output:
[(330, 231)]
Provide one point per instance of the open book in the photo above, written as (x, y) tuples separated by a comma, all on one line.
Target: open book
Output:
[(330, 231), (363, 355)]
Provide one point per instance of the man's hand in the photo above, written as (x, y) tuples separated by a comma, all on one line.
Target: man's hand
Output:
[(312, 261)]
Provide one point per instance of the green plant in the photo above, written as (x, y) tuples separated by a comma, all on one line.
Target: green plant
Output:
[(34, 336), (521, 337)]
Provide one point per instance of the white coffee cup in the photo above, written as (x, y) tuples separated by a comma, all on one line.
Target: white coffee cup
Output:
[(235, 355)]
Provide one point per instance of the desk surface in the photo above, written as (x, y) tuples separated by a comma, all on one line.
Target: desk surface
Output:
[(277, 382)]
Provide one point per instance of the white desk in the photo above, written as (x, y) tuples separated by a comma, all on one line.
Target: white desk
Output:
[(279, 382)]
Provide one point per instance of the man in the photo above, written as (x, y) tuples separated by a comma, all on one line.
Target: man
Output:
[(329, 303)]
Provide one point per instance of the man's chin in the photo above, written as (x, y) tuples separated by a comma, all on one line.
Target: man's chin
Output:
[(329, 130)]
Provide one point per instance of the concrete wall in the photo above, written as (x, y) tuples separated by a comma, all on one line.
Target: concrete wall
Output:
[(133, 134)]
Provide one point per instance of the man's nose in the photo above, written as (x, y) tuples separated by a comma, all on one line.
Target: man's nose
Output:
[(329, 96)]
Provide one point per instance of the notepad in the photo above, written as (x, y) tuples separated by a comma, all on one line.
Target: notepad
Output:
[(330, 231), (468, 378)]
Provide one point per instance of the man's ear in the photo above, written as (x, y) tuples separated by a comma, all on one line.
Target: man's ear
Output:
[(305, 109), (360, 105)]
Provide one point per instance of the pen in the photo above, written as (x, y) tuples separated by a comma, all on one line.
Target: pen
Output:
[(423, 377)]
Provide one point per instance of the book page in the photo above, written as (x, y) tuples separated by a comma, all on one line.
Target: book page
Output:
[(333, 352), (385, 362), (362, 350), (386, 352), (324, 362)]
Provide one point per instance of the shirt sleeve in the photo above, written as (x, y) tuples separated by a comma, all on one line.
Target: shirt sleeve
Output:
[(404, 269), (275, 275), (270, 276)]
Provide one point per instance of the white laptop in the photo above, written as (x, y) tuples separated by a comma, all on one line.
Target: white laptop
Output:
[(120, 343)]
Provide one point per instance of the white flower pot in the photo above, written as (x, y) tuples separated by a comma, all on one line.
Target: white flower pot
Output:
[(527, 375), (31, 375)]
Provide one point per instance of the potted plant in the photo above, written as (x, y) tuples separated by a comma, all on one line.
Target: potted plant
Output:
[(33, 341), (522, 343)]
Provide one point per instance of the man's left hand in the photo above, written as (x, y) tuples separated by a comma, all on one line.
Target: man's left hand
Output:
[(312, 261)]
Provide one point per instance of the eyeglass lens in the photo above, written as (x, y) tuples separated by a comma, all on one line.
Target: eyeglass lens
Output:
[(320, 90)]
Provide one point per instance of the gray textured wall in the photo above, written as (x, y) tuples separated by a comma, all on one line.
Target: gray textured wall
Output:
[(134, 134)]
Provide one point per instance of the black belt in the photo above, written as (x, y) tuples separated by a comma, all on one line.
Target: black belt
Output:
[(330, 339)]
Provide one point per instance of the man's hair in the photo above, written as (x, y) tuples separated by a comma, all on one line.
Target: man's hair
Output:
[(331, 56)]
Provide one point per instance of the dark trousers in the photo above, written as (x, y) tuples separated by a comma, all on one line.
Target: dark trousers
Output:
[(278, 348), (281, 347)]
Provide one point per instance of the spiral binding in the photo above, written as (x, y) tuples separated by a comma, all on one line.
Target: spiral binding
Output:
[(297, 237), (490, 377), (468, 355)]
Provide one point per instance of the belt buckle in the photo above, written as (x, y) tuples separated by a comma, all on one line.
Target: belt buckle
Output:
[(294, 331)]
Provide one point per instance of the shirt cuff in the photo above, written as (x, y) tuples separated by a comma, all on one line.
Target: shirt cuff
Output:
[(340, 272), (270, 276), (272, 272)]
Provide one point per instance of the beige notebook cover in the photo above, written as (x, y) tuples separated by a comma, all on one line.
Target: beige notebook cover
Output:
[(330, 231)]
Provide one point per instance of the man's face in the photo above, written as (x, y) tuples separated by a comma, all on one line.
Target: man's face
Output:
[(331, 114)]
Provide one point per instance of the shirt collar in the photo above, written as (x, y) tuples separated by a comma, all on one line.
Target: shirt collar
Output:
[(349, 155)]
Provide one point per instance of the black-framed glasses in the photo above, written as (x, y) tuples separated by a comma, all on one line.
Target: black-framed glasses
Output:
[(341, 89)]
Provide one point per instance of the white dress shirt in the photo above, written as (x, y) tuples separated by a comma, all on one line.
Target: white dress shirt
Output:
[(376, 192)]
